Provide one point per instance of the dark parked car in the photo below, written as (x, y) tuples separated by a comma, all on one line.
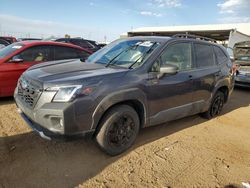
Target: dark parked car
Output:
[(101, 45), (18, 57), (10, 40), (28, 39), (3, 43), (242, 61), (87, 44), (127, 85)]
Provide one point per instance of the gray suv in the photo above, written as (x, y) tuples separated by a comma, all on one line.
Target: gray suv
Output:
[(127, 85)]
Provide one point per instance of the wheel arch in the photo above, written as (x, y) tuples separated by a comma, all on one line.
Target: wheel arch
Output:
[(222, 86), (132, 97), (225, 91)]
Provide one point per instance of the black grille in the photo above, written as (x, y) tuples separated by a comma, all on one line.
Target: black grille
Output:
[(29, 91)]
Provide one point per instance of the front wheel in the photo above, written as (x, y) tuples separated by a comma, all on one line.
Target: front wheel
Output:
[(118, 129), (215, 106)]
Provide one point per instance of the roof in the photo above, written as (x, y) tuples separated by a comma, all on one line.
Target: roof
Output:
[(215, 31), (32, 42)]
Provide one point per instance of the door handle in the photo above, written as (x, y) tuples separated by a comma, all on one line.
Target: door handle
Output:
[(190, 77)]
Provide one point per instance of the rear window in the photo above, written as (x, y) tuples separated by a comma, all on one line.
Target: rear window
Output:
[(220, 55), (204, 55), (61, 40)]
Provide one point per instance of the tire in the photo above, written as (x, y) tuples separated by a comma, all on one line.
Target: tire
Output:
[(215, 106), (118, 129)]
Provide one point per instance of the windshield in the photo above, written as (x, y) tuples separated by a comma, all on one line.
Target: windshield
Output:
[(4, 52), (127, 54)]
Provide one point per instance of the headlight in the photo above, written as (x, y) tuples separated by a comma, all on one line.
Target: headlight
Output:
[(65, 93)]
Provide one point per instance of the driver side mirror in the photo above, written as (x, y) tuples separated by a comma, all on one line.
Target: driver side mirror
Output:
[(16, 59), (168, 69)]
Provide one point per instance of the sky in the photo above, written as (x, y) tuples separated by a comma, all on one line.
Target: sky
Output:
[(106, 20)]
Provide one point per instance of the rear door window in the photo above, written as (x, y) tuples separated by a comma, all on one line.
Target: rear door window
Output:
[(61, 52), (204, 55)]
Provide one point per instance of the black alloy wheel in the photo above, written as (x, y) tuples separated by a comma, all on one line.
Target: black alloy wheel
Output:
[(118, 129), (215, 106)]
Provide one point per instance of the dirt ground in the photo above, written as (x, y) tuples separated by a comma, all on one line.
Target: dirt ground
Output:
[(191, 152)]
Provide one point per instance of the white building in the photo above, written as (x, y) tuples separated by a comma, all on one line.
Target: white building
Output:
[(225, 33)]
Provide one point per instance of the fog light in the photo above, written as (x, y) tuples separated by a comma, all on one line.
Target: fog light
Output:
[(57, 123)]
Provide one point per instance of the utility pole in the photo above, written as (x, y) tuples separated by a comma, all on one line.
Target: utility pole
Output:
[(105, 39)]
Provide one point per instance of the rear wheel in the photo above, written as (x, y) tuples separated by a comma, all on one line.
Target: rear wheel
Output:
[(118, 129), (215, 106)]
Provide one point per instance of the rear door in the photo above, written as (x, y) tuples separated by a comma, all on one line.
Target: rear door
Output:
[(206, 74), (170, 97), (13, 70)]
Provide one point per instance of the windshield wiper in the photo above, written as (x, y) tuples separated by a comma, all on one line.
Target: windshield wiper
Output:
[(125, 50), (111, 61)]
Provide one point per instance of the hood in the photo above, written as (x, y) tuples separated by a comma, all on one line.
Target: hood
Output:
[(68, 70)]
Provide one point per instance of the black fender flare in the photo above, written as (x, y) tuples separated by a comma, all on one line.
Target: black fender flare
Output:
[(221, 83), (119, 97)]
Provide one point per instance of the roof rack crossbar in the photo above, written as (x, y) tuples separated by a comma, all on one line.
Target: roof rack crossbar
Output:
[(194, 37)]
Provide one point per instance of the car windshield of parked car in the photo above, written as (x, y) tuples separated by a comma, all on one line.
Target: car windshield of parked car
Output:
[(127, 54), (4, 52)]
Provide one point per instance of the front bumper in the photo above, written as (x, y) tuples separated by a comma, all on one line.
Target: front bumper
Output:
[(44, 133), (242, 80), (57, 120)]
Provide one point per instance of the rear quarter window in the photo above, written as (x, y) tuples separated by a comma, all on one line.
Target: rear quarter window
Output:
[(220, 55), (204, 55)]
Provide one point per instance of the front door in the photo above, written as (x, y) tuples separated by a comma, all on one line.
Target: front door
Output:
[(170, 97)]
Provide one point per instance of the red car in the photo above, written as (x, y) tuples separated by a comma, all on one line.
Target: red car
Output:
[(17, 57)]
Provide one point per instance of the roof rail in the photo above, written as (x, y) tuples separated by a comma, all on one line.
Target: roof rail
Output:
[(194, 37)]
